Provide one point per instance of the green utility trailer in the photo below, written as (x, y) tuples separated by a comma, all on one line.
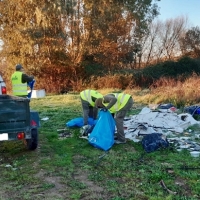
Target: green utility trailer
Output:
[(18, 122)]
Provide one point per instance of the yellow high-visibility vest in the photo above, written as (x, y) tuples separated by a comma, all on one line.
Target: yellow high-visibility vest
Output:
[(88, 94), (122, 99), (18, 88)]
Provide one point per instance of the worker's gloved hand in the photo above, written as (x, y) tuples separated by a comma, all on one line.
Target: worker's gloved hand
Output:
[(86, 127), (104, 109), (85, 130)]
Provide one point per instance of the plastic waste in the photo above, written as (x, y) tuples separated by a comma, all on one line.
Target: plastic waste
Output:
[(31, 85), (102, 135), (78, 122)]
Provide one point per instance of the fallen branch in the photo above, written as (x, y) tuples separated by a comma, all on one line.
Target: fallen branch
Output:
[(164, 186)]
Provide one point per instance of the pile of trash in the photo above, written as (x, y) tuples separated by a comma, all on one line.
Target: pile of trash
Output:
[(165, 121)]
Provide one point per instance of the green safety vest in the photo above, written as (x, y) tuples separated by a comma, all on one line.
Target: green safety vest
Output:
[(88, 94), (122, 100), (18, 88)]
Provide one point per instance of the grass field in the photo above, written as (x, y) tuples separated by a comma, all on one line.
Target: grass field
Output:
[(70, 168)]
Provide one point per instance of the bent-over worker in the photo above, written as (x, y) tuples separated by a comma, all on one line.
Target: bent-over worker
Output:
[(118, 104), (88, 98)]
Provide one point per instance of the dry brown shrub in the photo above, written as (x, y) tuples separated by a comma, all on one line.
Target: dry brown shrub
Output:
[(176, 91), (78, 85), (112, 81), (163, 82)]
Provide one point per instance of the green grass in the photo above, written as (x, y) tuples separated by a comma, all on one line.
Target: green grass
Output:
[(71, 168)]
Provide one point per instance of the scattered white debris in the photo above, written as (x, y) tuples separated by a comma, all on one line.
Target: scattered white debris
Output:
[(45, 119), (8, 166), (163, 121)]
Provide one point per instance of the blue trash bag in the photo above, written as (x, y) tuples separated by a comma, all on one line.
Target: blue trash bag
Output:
[(78, 122), (31, 85), (195, 109), (153, 142), (102, 135)]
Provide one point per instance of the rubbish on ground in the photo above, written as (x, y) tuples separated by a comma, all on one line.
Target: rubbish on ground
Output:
[(84, 137), (63, 133), (161, 119), (148, 121), (45, 119), (8, 166), (168, 123), (195, 153), (195, 109), (154, 141)]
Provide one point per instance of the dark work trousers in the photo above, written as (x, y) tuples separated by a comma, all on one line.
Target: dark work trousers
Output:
[(88, 111), (119, 119)]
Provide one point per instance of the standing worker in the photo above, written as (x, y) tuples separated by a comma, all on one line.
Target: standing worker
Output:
[(19, 81), (88, 98), (118, 104)]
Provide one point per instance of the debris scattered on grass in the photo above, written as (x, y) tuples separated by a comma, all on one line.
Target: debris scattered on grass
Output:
[(45, 119), (64, 133)]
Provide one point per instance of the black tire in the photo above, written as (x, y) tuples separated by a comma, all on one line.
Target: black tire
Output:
[(33, 142)]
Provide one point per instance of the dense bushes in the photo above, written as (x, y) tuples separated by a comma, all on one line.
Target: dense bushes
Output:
[(181, 69), (146, 77), (95, 76)]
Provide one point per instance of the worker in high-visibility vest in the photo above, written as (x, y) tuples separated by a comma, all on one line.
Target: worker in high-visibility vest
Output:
[(19, 81), (88, 98), (118, 104)]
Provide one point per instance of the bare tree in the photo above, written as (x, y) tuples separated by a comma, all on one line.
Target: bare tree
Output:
[(151, 42), (161, 42), (169, 38)]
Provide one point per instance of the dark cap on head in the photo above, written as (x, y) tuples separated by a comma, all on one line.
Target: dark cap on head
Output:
[(18, 67)]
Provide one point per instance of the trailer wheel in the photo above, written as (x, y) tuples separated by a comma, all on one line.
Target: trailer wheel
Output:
[(33, 142)]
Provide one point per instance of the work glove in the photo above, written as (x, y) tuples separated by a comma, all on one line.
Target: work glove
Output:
[(84, 130), (86, 127), (104, 109)]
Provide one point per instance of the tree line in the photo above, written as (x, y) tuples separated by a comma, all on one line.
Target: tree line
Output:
[(66, 43)]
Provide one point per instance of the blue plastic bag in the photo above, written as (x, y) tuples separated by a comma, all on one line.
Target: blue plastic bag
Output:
[(102, 136), (78, 122), (195, 109), (31, 85)]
